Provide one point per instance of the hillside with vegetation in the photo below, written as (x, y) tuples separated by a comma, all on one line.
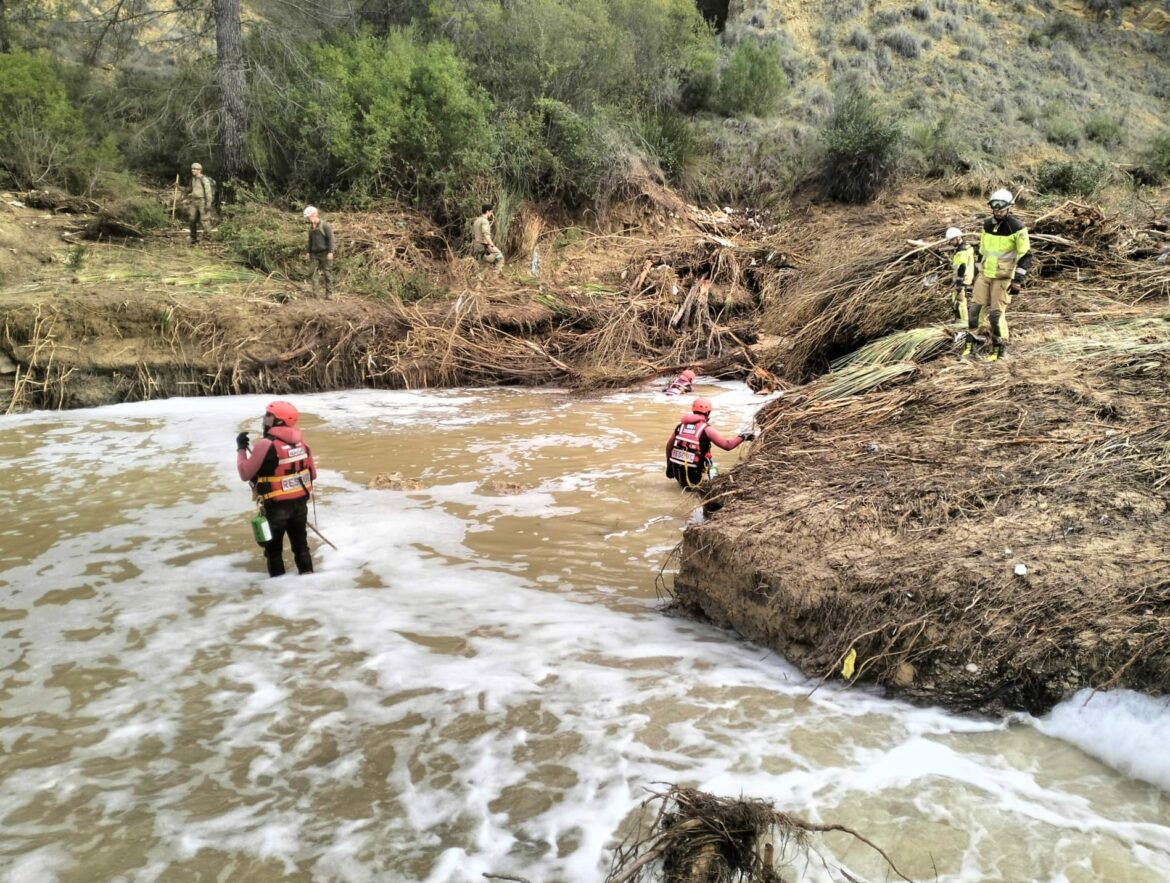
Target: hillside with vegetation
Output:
[(440, 105)]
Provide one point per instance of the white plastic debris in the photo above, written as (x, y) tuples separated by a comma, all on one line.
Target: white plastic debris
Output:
[(971, 667), (1020, 570)]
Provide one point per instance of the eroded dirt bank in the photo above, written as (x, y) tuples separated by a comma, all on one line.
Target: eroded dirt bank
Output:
[(985, 536)]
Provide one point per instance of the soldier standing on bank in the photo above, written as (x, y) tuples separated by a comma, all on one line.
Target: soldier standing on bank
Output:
[(200, 199), (320, 249), (483, 248)]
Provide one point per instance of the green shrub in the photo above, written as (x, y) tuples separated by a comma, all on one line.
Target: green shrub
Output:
[(753, 80), (670, 138), (859, 39), (393, 115), (1061, 126), (862, 146), (42, 139), (936, 149), (1104, 130), (1071, 178), (555, 153), (582, 53), (902, 42), (752, 162), (263, 238), (1153, 165), (699, 84)]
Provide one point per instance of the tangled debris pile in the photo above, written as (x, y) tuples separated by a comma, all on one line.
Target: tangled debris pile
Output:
[(891, 522), (983, 539), (1087, 266), (609, 310), (696, 837)]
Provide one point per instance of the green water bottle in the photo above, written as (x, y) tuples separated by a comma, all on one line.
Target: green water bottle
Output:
[(712, 469), (261, 532)]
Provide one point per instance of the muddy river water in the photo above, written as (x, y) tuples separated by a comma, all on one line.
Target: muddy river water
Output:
[(477, 680)]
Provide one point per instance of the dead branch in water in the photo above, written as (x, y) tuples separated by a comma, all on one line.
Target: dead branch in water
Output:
[(699, 838)]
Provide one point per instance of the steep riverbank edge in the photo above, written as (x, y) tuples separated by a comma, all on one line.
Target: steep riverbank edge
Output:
[(986, 537)]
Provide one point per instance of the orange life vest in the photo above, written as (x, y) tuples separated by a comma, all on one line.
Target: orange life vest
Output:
[(288, 478), (691, 444)]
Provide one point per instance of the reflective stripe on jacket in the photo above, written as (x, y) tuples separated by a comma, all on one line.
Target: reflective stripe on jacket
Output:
[(285, 474), (963, 262), (690, 445), (1004, 247)]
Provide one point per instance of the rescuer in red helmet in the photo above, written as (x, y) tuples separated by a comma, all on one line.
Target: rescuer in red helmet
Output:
[(681, 384), (688, 451), (281, 470)]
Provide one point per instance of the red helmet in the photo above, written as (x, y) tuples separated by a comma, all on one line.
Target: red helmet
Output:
[(688, 374), (285, 412), (701, 405)]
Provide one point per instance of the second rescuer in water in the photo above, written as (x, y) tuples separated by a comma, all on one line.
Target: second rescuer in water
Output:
[(688, 451), (281, 470)]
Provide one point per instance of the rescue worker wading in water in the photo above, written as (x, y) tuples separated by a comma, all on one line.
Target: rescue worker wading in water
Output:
[(281, 470), (681, 384), (688, 451)]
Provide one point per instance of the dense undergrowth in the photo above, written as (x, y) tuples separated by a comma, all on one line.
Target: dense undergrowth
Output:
[(441, 105)]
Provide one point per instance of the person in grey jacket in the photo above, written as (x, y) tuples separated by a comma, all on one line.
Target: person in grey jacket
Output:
[(320, 249)]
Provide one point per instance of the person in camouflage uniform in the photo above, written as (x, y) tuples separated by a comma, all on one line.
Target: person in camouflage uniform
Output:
[(483, 248), (200, 199)]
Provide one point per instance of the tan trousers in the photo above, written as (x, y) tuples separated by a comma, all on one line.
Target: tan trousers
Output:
[(994, 295)]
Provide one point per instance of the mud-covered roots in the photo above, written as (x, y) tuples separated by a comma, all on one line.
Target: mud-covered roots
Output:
[(989, 540), (695, 837)]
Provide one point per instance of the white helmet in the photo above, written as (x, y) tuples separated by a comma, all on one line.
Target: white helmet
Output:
[(952, 232), (310, 210), (1003, 197)]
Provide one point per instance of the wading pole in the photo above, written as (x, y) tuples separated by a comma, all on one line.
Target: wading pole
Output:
[(321, 535), (175, 201)]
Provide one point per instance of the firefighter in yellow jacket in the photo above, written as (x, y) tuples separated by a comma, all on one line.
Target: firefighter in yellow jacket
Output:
[(1004, 261), (963, 264)]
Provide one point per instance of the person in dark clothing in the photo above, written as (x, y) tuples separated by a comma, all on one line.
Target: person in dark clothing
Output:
[(320, 249), (281, 470)]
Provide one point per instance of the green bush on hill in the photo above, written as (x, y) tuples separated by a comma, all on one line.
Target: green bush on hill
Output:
[(1104, 130), (753, 80), (395, 115), (1154, 162), (42, 140), (581, 53), (862, 147), (1071, 178), (557, 154)]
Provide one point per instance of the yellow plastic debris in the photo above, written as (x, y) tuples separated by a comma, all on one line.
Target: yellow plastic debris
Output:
[(847, 666)]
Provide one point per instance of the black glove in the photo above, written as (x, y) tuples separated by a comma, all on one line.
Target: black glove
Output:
[(1014, 288), (748, 436), (242, 441)]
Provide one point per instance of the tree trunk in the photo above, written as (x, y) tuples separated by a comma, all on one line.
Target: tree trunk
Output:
[(230, 72), (4, 46)]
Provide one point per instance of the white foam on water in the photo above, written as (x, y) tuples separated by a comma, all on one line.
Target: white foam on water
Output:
[(415, 711), (1124, 729)]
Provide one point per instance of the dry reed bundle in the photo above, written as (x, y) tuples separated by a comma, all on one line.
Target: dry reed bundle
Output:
[(830, 312)]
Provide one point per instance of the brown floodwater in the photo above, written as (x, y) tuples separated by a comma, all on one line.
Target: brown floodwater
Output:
[(477, 680)]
